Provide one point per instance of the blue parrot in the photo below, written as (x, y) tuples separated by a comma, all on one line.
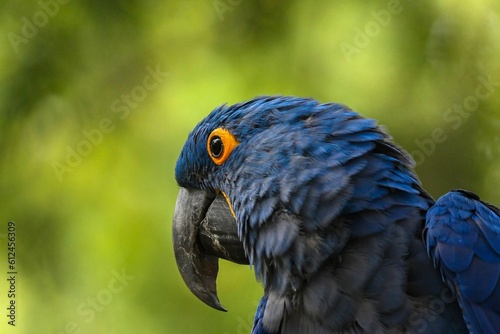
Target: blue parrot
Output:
[(327, 210)]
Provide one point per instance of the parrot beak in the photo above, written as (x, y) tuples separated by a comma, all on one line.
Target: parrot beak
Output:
[(204, 230)]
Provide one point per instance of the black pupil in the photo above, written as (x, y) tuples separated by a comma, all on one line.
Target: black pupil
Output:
[(216, 147)]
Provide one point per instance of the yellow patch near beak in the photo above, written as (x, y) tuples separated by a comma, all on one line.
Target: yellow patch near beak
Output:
[(229, 203)]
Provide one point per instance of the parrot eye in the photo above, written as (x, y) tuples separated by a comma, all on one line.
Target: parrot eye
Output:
[(220, 144), (216, 147)]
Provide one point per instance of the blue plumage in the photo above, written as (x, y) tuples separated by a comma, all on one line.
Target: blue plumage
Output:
[(463, 238), (258, 326), (330, 215)]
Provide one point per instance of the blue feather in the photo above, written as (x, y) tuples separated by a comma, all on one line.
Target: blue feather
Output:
[(463, 237)]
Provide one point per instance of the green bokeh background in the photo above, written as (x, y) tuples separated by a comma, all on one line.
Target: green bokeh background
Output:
[(68, 66)]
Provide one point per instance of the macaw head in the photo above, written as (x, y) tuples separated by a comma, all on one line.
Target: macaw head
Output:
[(274, 181)]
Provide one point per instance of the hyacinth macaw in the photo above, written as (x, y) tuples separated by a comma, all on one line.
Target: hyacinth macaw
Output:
[(328, 211)]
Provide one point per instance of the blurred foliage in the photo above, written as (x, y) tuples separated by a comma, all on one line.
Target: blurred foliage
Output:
[(76, 77)]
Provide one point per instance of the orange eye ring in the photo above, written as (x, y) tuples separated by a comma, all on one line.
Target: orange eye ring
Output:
[(220, 144)]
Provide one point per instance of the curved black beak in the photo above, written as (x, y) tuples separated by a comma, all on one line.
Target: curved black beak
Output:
[(204, 230)]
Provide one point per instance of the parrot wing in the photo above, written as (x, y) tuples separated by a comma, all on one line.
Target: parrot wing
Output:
[(462, 236)]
